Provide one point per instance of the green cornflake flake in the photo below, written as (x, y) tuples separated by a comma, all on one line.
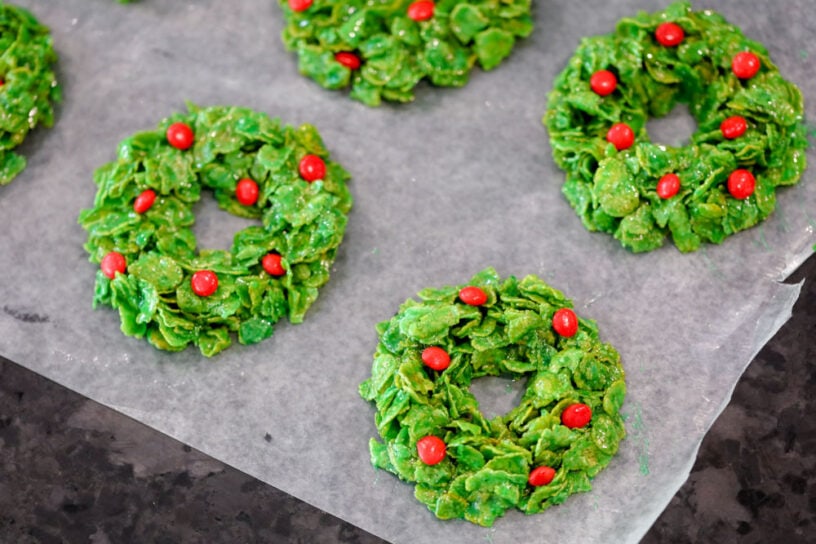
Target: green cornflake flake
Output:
[(488, 462), (29, 87), (303, 222), (615, 192), (396, 52)]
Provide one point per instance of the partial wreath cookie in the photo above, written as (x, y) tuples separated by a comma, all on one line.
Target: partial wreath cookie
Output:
[(563, 433), (171, 292), (750, 137), (28, 86), (384, 49)]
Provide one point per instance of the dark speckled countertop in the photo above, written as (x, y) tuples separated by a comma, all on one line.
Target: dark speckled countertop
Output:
[(72, 470)]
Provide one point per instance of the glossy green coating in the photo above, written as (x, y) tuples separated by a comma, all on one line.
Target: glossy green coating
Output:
[(615, 192), (29, 86), (303, 222), (398, 52), (488, 462)]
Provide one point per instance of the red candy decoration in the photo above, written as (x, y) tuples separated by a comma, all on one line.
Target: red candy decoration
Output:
[(472, 296), (431, 450), (300, 5), (349, 60), (603, 82), (271, 262), (312, 168), (565, 322), (180, 136), (741, 184), (112, 263), (436, 358), (421, 10), (745, 65), (541, 476), (144, 201), (621, 136), (668, 186), (733, 127), (204, 283), (246, 191), (576, 415), (669, 34)]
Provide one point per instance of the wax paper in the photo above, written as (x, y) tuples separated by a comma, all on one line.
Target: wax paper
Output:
[(457, 181)]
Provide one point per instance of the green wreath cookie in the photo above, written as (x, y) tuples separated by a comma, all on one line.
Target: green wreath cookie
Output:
[(140, 228), (383, 49), (28, 86), (565, 430), (749, 139)]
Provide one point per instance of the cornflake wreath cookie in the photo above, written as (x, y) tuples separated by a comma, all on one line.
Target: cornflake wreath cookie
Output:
[(749, 140), (383, 49), (565, 430), (28, 86), (139, 229)]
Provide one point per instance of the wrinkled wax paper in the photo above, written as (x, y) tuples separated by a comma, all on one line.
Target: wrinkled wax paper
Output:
[(457, 181)]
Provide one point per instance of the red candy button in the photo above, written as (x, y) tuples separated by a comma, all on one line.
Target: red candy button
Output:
[(603, 82), (621, 136), (273, 265), (204, 283), (112, 263), (733, 127), (144, 201), (745, 65), (421, 10), (300, 5), (472, 296), (669, 34), (180, 136), (246, 191), (741, 184), (576, 416), (431, 449), (436, 358), (668, 186), (349, 60), (541, 476), (565, 322), (312, 168)]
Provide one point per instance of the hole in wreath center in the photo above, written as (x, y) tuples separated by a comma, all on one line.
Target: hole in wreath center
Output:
[(674, 130), (214, 228), (497, 395)]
